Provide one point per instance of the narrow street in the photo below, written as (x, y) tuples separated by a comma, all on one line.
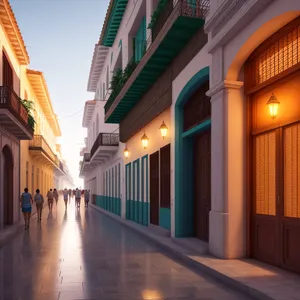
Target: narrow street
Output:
[(85, 255)]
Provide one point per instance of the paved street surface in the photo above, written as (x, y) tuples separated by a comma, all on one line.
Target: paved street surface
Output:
[(86, 255)]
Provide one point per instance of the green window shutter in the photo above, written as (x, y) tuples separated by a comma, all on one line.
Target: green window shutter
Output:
[(140, 40)]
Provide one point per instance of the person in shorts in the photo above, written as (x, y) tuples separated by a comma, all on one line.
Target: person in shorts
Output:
[(39, 201), (50, 199), (25, 204), (66, 194)]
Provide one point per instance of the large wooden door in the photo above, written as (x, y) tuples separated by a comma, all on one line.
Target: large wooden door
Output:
[(8, 187), (154, 188), (276, 221), (202, 184), (165, 176)]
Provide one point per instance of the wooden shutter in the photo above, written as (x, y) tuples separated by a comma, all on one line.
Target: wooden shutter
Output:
[(265, 174), (292, 171)]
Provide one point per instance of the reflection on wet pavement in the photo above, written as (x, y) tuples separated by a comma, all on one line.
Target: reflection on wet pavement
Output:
[(82, 254)]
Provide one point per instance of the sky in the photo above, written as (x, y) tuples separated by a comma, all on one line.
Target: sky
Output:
[(60, 36)]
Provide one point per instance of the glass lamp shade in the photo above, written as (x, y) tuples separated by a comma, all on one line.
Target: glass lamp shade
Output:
[(126, 152), (145, 141), (163, 130), (273, 105)]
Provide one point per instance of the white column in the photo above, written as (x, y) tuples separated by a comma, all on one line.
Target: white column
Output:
[(227, 217)]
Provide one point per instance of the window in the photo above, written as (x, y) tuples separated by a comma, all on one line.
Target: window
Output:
[(140, 41), (107, 78), (7, 72)]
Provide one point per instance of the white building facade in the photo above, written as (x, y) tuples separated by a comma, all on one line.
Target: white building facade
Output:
[(224, 83)]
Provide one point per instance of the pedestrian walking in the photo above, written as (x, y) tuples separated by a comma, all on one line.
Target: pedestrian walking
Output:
[(86, 198), (39, 201), (50, 199), (25, 204), (66, 194), (77, 197), (55, 195)]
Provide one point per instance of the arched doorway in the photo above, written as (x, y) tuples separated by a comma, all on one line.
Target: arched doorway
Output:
[(8, 186), (192, 158), (275, 152)]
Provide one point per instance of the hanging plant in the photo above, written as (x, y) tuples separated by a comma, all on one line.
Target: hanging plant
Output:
[(29, 106)]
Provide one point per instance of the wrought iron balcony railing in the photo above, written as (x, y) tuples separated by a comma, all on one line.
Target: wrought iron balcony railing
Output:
[(86, 157), (39, 143), (11, 101), (186, 8), (105, 139)]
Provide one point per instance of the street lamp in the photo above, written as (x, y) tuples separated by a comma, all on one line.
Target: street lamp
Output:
[(273, 105), (126, 152), (145, 141), (163, 129)]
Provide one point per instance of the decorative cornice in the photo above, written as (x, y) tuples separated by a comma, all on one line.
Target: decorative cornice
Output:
[(222, 85), (99, 57), (223, 23), (39, 85), (13, 33), (88, 112)]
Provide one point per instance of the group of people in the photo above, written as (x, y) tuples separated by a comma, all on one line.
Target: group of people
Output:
[(27, 200)]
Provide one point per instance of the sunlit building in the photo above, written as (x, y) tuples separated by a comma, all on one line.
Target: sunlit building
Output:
[(15, 122), (41, 165), (205, 98)]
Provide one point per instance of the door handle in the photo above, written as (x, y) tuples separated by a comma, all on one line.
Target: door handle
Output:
[(277, 200)]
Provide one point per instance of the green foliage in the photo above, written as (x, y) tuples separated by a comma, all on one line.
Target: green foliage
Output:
[(160, 7), (119, 79), (29, 106)]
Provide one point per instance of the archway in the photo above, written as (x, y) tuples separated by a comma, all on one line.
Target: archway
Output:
[(8, 186), (184, 156)]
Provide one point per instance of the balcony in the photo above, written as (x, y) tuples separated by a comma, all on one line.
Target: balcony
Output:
[(104, 146), (40, 149), (13, 115), (85, 164), (172, 29)]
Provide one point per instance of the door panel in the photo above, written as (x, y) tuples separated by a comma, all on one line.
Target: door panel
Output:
[(165, 176), (265, 183), (154, 188), (291, 196), (202, 184)]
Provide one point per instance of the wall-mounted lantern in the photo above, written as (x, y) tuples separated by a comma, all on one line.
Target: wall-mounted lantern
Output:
[(273, 105), (126, 152), (145, 141), (163, 129)]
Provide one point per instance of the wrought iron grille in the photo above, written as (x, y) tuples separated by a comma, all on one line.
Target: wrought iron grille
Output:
[(274, 57), (10, 100), (86, 157), (105, 139), (185, 8), (39, 142), (198, 108)]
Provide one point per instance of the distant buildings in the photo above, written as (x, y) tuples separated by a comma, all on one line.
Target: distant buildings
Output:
[(204, 97)]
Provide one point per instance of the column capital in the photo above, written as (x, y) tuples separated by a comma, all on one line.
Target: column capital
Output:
[(224, 85)]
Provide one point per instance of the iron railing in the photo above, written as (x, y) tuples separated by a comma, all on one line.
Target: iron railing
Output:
[(86, 157), (186, 8), (105, 139), (11, 101), (39, 143)]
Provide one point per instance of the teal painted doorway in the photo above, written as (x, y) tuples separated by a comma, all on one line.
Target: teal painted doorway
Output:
[(188, 125)]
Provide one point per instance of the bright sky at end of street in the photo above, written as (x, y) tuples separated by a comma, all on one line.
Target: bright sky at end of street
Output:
[(60, 38)]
